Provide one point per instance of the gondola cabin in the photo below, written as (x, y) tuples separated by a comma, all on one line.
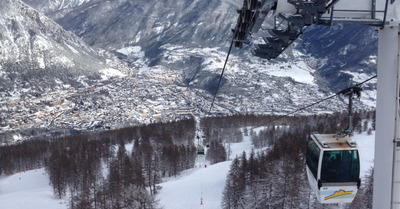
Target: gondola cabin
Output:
[(200, 150), (333, 168)]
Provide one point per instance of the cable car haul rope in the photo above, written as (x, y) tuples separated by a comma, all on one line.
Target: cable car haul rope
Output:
[(344, 92), (332, 160), (333, 164)]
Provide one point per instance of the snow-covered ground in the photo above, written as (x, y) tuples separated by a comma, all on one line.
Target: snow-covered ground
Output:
[(366, 147), (204, 183), (31, 189), (185, 192)]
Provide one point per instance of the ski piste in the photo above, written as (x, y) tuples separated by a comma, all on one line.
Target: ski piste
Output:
[(201, 152)]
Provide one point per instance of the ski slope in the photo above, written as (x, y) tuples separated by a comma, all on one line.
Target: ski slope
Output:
[(31, 189), (185, 192), (200, 183)]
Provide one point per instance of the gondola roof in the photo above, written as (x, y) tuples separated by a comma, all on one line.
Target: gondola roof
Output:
[(335, 141)]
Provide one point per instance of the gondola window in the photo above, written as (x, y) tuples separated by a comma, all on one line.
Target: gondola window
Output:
[(312, 157), (340, 166)]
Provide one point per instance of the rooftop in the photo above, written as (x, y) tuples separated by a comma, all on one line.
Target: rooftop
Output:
[(334, 141)]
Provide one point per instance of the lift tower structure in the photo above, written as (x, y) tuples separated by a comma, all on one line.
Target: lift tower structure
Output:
[(291, 16)]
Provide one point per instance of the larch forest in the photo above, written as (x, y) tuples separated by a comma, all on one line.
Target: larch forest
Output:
[(98, 171)]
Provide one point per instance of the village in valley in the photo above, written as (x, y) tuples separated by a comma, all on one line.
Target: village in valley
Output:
[(144, 98)]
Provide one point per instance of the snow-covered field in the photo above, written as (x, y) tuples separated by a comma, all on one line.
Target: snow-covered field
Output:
[(31, 189), (186, 192)]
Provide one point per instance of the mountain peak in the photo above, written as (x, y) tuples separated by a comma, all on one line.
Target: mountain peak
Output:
[(33, 46)]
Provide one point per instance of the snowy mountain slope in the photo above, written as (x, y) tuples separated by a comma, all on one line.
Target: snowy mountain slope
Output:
[(199, 24), (151, 24), (38, 59), (35, 52), (341, 52), (178, 49), (55, 6)]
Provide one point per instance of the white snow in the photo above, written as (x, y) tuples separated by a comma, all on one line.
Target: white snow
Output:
[(129, 147), (368, 97), (345, 49), (186, 192), (360, 77), (132, 50), (42, 43), (29, 190), (64, 60), (214, 59), (82, 79), (72, 49), (299, 72), (40, 61), (17, 137), (110, 72), (62, 4), (373, 59), (158, 29), (366, 147), (58, 81)]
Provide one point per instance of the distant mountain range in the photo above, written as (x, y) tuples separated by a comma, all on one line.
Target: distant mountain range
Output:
[(341, 52), (152, 24), (54, 45), (36, 53)]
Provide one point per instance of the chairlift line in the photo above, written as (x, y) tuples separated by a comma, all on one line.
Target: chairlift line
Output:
[(315, 103), (239, 34), (221, 75), (333, 162)]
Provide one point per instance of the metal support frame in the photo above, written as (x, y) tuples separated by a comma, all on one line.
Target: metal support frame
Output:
[(350, 93), (373, 9), (349, 129), (386, 116), (396, 141)]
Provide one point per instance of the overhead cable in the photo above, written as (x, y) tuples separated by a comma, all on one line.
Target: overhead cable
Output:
[(220, 77), (308, 106)]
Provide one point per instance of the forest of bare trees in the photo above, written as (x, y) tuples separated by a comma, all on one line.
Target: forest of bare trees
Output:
[(276, 178), (97, 171), (122, 168)]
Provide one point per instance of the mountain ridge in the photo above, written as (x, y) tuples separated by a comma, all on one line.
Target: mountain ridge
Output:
[(35, 49), (198, 24), (168, 72)]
